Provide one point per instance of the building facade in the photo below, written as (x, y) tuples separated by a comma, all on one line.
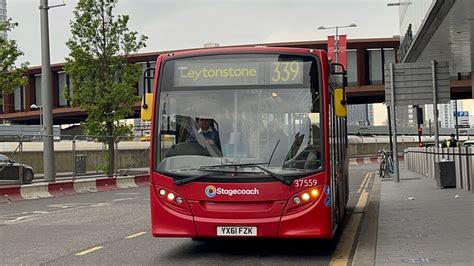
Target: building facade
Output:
[(366, 58), (360, 115), (365, 76), (441, 30), (3, 16)]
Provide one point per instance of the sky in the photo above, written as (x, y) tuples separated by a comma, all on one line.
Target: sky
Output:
[(178, 24)]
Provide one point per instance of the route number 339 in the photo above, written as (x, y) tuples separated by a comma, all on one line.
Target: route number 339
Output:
[(285, 71), (305, 182)]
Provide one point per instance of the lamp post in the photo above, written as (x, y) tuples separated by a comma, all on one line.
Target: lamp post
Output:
[(46, 93), (352, 25), (35, 107)]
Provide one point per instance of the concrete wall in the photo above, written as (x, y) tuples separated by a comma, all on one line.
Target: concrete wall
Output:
[(95, 160), (365, 146)]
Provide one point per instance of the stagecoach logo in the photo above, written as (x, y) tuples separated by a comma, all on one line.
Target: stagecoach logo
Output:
[(211, 191)]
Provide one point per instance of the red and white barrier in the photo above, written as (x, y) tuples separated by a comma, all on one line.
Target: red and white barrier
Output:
[(63, 188), (368, 160)]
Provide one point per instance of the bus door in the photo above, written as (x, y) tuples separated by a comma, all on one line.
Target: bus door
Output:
[(338, 143)]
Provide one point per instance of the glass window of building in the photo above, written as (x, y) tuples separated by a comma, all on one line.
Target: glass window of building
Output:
[(62, 87), (150, 82), (144, 66), (1, 103), (352, 67), (69, 83), (37, 90), (375, 66), (19, 99)]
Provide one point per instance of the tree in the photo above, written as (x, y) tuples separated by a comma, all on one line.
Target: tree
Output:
[(103, 82), (11, 76)]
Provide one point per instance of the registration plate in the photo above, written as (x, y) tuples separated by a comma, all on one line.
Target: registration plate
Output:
[(237, 231)]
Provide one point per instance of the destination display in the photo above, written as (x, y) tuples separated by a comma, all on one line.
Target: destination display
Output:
[(237, 72)]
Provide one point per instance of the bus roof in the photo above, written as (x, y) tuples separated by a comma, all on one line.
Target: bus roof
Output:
[(237, 50)]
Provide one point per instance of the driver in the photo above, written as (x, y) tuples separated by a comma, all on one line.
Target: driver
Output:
[(207, 130)]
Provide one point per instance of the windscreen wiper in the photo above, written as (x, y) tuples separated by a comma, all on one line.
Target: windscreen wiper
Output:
[(191, 179), (284, 179)]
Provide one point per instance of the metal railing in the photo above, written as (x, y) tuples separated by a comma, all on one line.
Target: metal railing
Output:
[(423, 160), (79, 156)]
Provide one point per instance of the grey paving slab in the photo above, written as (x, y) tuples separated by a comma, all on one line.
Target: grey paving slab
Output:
[(420, 224)]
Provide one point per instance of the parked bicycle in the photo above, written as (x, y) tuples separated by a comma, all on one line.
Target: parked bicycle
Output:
[(386, 164)]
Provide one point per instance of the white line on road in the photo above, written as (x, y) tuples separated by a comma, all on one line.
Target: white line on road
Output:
[(128, 193), (88, 251), (135, 235), (122, 199)]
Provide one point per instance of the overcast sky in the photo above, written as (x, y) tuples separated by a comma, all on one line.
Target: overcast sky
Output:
[(177, 24)]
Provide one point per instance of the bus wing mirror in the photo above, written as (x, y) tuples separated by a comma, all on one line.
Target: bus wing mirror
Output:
[(146, 107), (340, 103)]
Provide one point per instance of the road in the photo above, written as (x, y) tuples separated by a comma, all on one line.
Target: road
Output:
[(113, 227)]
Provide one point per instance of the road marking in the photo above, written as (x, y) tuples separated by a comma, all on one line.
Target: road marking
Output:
[(360, 206), (89, 251), (122, 199), (344, 248), (128, 193), (135, 235), (363, 182), (369, 180)]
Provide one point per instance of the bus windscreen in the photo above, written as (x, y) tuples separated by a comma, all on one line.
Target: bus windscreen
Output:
[(240, 108)]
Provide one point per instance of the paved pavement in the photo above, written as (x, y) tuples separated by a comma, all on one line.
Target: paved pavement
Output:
[(418, 224)]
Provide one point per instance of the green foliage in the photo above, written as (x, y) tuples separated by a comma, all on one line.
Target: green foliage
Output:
[(11, 76), (102, 81)]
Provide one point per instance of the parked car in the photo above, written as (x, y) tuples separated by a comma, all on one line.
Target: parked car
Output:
[(10, 170), (468, 143)]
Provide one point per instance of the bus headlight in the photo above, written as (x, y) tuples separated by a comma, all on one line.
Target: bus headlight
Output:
[(171, 200), (303, 199), (162, 192), (305, 196)]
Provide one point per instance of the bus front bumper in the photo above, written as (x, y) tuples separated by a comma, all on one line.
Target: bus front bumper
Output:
[(313, 222)]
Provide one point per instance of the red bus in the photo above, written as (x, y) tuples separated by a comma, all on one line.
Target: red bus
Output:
[(247, 142)]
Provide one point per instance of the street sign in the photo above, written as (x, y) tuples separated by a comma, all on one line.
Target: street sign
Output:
[(462, 118), (414, 83), (461, 114)]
